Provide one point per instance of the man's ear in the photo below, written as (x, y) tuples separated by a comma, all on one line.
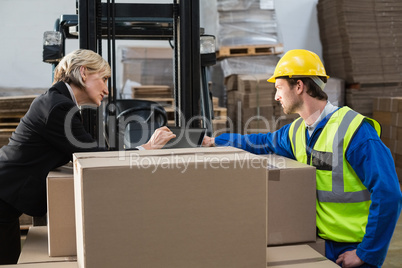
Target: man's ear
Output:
[(299, 87)]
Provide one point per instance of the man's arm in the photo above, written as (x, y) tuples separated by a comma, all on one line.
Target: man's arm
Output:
[(276, 142), (373, 163)]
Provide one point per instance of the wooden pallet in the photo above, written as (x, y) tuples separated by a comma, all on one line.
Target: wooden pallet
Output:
[(8, 125), (151, 91), (215, 122), (169, 101), (15, 104), (219, 112), (5, 134), (251, 50), (165, 102), (9, 121), (11, 116)]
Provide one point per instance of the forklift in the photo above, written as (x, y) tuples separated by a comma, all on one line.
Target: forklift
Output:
[(193, 52)]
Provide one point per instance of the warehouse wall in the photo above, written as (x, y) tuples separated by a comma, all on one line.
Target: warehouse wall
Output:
[(24, 21), (298, 23), (22, 25)]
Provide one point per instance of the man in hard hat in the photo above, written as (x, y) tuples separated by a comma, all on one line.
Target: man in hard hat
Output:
[(358, 194)]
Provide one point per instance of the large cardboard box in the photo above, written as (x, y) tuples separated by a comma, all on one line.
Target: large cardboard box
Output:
[(61, 212), (35, 248), (299, 256), (43, 265), (291, 201), (203, 207)]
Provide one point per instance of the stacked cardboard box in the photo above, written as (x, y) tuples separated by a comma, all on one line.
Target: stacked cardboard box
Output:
[(220, 118), (250, 95), (291, 188), (251, 105), (360, 96), (147, 66), (388, 112), (61, 213), (362, 45), (224, 74), (148, 75), (362, 39)]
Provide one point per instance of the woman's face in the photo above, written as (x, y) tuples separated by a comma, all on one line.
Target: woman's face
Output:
[(96, 88)]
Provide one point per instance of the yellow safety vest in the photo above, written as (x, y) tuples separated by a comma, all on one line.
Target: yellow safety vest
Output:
[(342, 200)]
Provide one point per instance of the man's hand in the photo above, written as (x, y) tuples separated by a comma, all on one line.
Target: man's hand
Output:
[(349, 259), (208, 142), (160, 137)]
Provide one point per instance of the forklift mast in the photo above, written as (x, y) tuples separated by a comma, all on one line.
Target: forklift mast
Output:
[(178, 22)]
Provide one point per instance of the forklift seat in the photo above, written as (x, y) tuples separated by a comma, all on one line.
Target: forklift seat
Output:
[(136, 121)]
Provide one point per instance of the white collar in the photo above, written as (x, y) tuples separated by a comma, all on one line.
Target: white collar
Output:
[(71, 93), (329, 108)]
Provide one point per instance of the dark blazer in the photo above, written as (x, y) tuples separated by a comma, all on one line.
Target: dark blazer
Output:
[(46, 137)]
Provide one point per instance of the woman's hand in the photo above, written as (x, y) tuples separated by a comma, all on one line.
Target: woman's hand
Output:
[(208, 142), (160, 137)]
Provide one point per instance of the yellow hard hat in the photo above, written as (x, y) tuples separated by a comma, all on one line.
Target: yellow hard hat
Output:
[(299, 62)]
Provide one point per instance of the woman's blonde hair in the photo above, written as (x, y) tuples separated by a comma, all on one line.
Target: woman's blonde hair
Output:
[(68, 69)]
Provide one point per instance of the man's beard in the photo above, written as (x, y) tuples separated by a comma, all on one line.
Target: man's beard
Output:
[(293, 107)]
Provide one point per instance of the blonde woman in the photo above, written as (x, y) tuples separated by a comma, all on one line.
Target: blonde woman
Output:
[(47, 136)]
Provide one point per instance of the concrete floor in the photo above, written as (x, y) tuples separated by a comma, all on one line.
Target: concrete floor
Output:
[(394, 256)]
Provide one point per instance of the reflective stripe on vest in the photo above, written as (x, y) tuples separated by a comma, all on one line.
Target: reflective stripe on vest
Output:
[(295, 128), (338, 194)]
